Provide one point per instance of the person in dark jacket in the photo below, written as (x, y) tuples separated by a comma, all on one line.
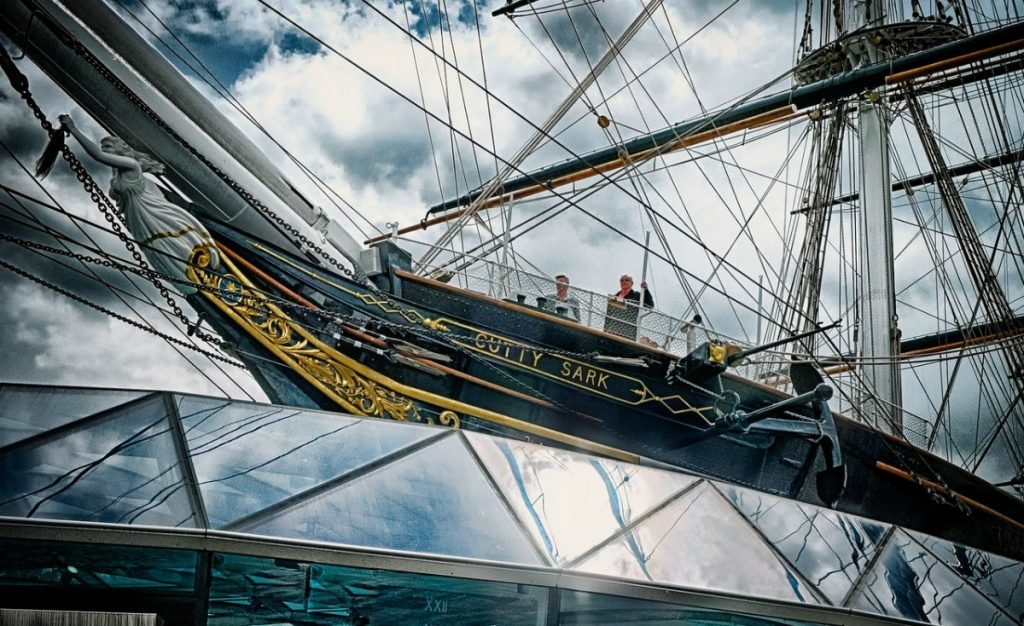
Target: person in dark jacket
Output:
[(626, 291), (623, 306)]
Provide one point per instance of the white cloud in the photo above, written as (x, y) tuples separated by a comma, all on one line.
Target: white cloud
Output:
[(372, 147), (73, 345)]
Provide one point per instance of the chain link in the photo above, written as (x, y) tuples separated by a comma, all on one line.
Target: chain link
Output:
[(110, 212), (235, 186), (118, 316)]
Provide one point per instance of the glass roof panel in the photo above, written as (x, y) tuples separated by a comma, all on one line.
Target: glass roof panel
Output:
[(436, 500), (248, 456), (27, 410), (122, 468), (907, 581), (699, 541), (571, 502), (999, 578), (830, 549), (592, 609), (93, 565), (256, 590)]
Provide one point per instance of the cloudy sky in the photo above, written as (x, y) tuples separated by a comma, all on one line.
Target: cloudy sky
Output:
[(371, 143), (365, 94)]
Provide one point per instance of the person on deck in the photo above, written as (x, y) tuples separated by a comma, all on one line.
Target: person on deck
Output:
[(626, 292), (621, 317), (168, 233), (562, 298)]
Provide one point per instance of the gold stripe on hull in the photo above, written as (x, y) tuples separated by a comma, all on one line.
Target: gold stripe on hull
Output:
[(354, 387)]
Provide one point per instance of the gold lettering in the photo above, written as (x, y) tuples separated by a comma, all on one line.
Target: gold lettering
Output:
[(481, 341), (578, 373), (591, 375), (536, 357), (566, 368), (602, 381)]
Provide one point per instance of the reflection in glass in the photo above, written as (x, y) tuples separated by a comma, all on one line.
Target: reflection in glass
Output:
[(699, 541), (578, 607), (26, 410), (435, 500), (907, 581), (248, 456), (253, 590), (122, 468), (90, 565), (830, 549), (572, 502), (999, 578)]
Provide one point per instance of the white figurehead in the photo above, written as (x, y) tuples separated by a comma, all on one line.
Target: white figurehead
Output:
[(167, 233)]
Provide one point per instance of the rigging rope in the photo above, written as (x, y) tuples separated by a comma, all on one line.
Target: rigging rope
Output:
[(111, 213), (222, 90)]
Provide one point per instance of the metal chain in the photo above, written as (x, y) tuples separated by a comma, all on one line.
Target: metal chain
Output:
[(837, 15), (326, 315), (235, 186), (805, 39), (110, 212), (98, 196), (118, 316), (90, 58)]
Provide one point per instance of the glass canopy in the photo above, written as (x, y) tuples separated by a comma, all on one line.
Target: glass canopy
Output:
[(513, 533)]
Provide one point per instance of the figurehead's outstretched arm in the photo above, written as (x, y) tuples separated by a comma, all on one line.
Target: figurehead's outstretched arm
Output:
[(117, 161)]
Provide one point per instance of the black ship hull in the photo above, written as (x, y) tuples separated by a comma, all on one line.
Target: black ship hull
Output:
[(412, 348)]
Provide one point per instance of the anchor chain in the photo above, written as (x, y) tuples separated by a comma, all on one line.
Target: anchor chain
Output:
[(118, 316), (110, 212), (100, 198), (235, 186)]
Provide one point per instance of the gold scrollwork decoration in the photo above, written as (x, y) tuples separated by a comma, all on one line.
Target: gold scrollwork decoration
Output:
[(201, 256), (437, 325), (296, 347), (449, 418)]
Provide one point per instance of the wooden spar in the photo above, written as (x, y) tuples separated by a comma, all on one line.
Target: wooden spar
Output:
[(946, 347), (763, 119), (511, 6), (924, 482), (542, 133), (845, 85), (255, 271), (1001, 160), (963, 59), (779, 115), (379, 343)]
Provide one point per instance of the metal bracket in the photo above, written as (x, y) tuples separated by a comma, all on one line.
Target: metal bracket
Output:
[(811, 389)]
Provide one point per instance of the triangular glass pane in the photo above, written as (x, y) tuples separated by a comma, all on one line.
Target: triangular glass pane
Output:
[(830, 549), (999, 578), (699, 541), (908, 582), (122, 468), (249, 456), (27, 410), (436, 500), (552, 490)]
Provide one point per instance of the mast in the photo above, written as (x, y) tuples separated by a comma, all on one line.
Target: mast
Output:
[(878, 331)]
